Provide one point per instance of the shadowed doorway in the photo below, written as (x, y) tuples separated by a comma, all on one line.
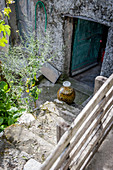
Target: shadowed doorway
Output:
[(89, 42)]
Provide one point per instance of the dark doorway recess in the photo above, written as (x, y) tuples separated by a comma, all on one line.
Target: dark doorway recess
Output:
[(89, 42)]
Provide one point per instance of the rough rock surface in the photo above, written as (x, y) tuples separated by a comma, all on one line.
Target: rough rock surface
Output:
[(100, 11), (33, 139), (32, 164), (26, 118), (10, 157), (51, 114), (107, 66), (29, 142)]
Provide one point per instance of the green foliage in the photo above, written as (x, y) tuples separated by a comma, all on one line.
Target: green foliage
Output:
[(32, 90), (8, 111), (7, 11), (22, 64), (4, 28)]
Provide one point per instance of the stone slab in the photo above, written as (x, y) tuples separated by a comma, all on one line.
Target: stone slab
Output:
[(25, 140), (81, 87), (32, 164), (50, 72), (10, 157)]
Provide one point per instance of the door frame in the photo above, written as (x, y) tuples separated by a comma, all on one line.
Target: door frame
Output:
[(69, 30)]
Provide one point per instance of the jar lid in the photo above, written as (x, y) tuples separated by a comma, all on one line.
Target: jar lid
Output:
[(66, 84)]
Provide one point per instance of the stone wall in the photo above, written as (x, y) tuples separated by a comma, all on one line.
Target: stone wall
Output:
[(99, 11), (107, 66), (2, 5), (60, 15)]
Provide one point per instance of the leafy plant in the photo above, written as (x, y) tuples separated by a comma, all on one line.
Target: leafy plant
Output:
[(32, 90), (22, 63), (5, 28), (8, 112)]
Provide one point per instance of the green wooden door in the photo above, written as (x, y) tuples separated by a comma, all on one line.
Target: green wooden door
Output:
[(86, 44)]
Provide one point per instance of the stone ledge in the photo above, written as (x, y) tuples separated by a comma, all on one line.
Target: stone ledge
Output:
[(32, 164)]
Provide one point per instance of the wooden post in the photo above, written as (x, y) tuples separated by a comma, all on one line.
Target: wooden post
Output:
[(61, 128), (99, 81), (60, 132)]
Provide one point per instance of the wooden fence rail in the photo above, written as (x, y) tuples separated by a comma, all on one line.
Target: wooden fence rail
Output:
[(82, 139)]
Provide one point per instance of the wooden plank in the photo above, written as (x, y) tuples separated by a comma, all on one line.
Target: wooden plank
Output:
[(101, 125), (78, 160), (94, 124), (78, 135), (107, 110), (82, 130), (109, 115), (60, 131), (93, 143), (108, 104), (84, 140), (64, 141), (50, 72), (96, 147), (77, 144), (87, 134), (99, 81), (97, 120)]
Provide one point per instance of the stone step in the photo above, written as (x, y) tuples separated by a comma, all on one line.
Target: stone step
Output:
[(37, 137), (25, 140), (81, 87), (32, 164), (51, 113), (49, 91)]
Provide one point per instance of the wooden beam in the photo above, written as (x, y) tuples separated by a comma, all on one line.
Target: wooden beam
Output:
[(96, 147), (61, 128), (84, 154), (65, 139), (99, 81), (93, 119), (89, 131)]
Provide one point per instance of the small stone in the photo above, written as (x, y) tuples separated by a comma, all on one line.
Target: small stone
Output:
[(1, 134), (32, 164), (26, 118), (58, 101)]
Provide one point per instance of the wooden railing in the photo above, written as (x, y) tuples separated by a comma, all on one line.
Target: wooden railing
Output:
[(82, 139)]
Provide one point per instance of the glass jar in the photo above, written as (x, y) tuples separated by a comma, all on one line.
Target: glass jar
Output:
[(66, 93)]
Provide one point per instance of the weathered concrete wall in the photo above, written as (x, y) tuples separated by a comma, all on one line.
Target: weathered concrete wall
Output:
[(24, 14), (61, 29), (2, 4), (13, 24), (101, 11), (107, 66)]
